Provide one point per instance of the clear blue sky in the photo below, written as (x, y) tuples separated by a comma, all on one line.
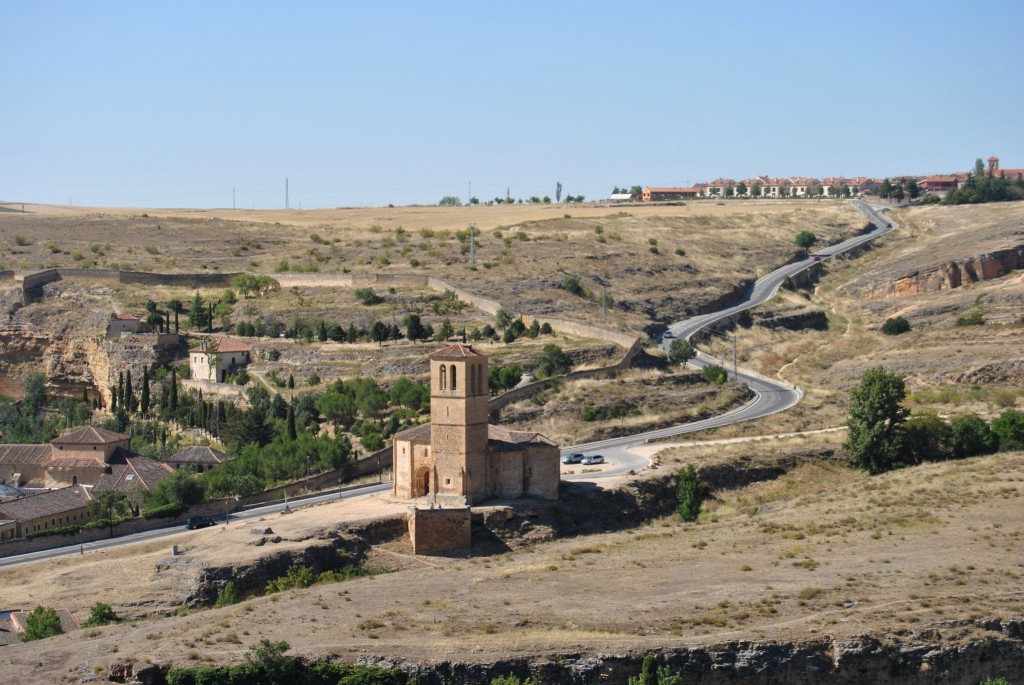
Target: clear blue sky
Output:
[(173, 104)]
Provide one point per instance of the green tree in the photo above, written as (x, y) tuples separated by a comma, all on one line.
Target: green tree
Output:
[(971, 436), (227, 595), (553, 362), (129, 392), (197, 313), (558, 192), (926, 437), (34, 399), (713, 373), (179, 487), (450, 201), (875, 420), (681, 351), (144, 401), (805, 239), (1009, 427), (445, 331), (42, 623), (101, 615), (503, 319), (690, 494), (413, 327)]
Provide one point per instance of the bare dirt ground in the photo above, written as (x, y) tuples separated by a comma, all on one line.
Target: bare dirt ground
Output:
[(824, 550)]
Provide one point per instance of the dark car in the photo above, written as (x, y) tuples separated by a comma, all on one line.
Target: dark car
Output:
[(572, 459), (194, 522)]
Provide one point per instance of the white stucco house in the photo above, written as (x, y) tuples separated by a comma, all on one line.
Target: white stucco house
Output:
[(217, 358)]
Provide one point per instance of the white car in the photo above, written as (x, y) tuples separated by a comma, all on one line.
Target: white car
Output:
[(592, 459)]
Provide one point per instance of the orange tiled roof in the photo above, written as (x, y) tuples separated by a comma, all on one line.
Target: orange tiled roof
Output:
[(90, 435), (48, 503), (455, 351), (200, 454)]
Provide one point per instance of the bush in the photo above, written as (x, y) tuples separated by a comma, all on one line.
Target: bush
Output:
[(975, 318), (681, 351), (227, 595), (715, 374), (100, 615), (805, 239), (1009, 427), (895, 326), (165, 511)]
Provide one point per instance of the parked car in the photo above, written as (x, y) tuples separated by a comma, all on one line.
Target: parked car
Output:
[(593, 459), (572, 459), (194, 522)]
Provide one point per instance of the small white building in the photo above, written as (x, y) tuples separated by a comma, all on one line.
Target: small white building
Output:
[(123, 323), (218, 358)]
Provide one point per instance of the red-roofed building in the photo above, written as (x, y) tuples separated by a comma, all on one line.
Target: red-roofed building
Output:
[(198, 457), (17, 622), (217, 358), (459, 456), (939, 184), (668, 194)]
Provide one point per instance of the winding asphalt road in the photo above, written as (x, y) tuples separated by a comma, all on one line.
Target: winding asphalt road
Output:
[(770, 396)]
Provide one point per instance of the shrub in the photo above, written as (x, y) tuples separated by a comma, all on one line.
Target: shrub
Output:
[(895, 326), (572, 284), (975, 318), (804, 239), (227, 595), (681, 351), (1009, 427), (715, 374), (100, 615), (165, 511)]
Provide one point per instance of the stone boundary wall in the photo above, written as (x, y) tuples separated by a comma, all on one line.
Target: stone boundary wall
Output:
[(222, 390), (434, 531), (215, 508), (38, 279)]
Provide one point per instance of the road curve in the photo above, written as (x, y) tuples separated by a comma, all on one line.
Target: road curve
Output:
[(770, 396)]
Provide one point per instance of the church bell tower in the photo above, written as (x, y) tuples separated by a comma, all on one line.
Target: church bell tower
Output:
[(458, 421)]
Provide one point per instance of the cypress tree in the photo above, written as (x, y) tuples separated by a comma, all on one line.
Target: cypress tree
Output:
[(175, 320), (113, 398), (144, 402), (291, 381), (292, 433), (209, 318), (129, 392), (120, 389), (174, 390)]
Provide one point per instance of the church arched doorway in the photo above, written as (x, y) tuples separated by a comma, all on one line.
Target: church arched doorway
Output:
[(422, 482)]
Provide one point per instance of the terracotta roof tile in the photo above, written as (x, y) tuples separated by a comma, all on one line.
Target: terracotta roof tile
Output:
[(455, 351), (199, 454), (125, 316), (45, 504), (90, 435), (25, 454), (127, 468), (419, 433), (68, 623)]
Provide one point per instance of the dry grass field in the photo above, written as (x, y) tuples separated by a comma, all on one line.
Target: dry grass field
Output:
[(823, 550), (948, 368), (658, 263)]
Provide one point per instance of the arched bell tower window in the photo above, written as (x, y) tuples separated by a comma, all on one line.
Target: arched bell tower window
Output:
[(453, 376), (444, 377)]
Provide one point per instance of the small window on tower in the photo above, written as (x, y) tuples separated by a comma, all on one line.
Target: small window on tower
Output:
[(447, 481)]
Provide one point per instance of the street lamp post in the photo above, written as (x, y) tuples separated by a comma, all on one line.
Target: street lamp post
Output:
[(307, 473)]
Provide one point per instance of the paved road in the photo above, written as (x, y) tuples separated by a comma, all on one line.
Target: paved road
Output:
[(770, 396), (179, 529)]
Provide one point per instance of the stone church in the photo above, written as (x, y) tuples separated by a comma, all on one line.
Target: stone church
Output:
[(459, 458)]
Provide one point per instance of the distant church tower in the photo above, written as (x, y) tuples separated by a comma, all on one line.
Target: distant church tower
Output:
[(458, 419), (993, 165)]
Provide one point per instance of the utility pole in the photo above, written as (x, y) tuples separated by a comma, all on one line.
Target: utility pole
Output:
[(472, 244), (232, 198), (604, 303), (470, 196), (735, 374), (286, 193)]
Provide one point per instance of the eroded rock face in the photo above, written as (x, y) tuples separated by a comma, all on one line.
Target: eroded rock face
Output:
[(946, 276), (864, 659)]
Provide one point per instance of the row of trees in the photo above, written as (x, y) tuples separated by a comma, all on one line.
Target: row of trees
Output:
[(899, 189), (982, 186), (884, 436)]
